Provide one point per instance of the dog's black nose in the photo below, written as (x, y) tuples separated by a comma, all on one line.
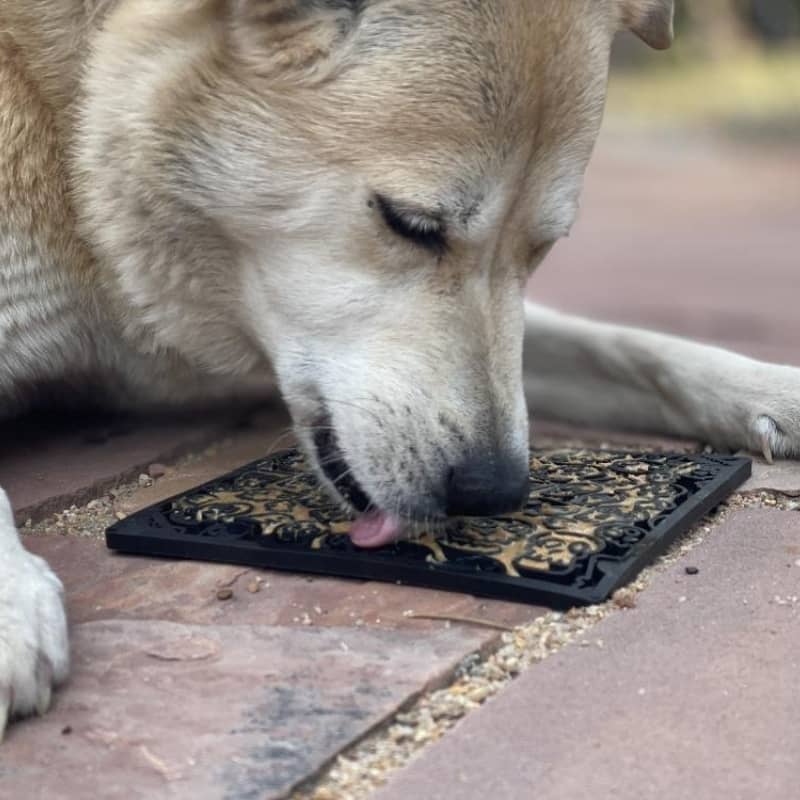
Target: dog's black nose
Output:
[(480, 487)]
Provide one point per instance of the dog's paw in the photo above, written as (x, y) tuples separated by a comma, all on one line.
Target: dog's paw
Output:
[(771, 441), (771, 410), (34, 652)]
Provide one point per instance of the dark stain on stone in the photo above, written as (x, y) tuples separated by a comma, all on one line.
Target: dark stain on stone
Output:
[(300, 728)]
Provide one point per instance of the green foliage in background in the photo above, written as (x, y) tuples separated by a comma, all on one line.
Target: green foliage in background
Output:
[(735, 67), (772, 21)]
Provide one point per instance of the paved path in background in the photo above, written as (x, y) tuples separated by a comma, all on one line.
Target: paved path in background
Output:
[(687, 238)]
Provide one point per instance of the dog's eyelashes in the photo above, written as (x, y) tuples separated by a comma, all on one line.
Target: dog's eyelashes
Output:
[(425, 229)]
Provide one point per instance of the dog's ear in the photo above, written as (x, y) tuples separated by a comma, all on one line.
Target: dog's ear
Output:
[(651, 21), (275, 36)]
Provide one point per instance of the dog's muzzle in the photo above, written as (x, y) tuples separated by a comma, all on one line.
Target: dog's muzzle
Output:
[(374, 527), (336, 469)]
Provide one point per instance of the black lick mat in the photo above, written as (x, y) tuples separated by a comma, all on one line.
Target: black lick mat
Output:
[(593, 520)]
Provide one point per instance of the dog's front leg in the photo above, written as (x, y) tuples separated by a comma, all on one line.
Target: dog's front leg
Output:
[(34, 654), (598, 374)]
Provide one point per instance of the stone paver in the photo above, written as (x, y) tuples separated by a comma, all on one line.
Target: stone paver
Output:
[(547, 433), (235, 452), (102, 586), (163, 710), (47, 465), (782, 477), (693, 693), (176, 693)]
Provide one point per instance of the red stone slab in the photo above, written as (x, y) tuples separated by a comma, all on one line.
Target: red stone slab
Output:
[(547, 433), (782, 477), (48, 468), (47, 465), (164, 710), (694, 693), (176, 693), (101, 585)]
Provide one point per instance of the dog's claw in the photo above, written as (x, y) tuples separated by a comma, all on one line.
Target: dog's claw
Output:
[(766, 430), (45, 693), (5, 706), (766, 449), (43, 701)]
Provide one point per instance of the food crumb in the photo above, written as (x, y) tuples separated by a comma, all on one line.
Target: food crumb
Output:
[(254, 586), (624, 598), (323, 794), (225, 593), (692, 570)]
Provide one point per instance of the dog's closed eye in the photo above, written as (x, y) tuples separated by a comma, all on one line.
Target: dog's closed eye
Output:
[(424, 228)]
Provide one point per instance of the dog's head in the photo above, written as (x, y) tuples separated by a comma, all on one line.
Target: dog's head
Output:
[(360, 190)]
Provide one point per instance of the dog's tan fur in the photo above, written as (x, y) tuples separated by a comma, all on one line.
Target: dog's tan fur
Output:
[(193, 198), (218, 155), (215, 130)]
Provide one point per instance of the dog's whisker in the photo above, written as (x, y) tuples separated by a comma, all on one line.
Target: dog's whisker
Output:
[(278, 439), (356, 406), (311, 429), (342, 476)]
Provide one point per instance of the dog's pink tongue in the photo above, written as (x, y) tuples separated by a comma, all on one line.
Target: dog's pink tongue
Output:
[(376, 529)]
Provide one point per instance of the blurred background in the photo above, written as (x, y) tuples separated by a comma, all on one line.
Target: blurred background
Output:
[(690, 220)]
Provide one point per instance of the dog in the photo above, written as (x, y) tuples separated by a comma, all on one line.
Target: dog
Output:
[(340, 200)]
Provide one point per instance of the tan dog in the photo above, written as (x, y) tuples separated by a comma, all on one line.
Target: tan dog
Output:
[(349, 195)]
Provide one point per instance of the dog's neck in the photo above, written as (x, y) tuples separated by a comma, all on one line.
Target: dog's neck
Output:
[(61, 315)]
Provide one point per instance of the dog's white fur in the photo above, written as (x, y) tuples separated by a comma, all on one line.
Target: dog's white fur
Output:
[(33, 628), (188, 190)]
